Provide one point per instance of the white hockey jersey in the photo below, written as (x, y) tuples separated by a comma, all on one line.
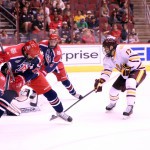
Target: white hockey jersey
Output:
[(124, 55)]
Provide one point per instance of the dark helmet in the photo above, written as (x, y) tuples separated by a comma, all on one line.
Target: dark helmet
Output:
[(109, 46)]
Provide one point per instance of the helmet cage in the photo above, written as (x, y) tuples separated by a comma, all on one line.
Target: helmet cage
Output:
[(109, 46), (31, 49)]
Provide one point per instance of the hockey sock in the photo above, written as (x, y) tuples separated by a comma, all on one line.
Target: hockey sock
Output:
[(69, 87), (54, 100)]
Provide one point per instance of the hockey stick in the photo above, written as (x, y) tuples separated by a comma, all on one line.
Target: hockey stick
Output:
[(55, 116)]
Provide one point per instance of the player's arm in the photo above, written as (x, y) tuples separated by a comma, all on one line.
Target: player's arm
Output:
[(105, 75)]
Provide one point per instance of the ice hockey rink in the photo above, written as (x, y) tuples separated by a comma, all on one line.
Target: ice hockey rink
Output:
[(92, 128)]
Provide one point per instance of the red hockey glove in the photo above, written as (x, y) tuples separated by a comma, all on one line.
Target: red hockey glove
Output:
[(4, 57), (17, 84), (98, 84), (125, 71)]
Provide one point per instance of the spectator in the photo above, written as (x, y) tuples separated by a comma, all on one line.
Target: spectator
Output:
[(77, 38), (127, 18), (124, 34), (105, 10), (16, 9), (15, 39), (35, 5), (37, 25), (22, 4), (60, 2), (25, 20), (68, 18), (55, 24), (54, 14), (105, 31), (82, 24), (68, 8), (115, 32), (114, 18), (88, 37), (4, 38), (135, 36), (131, 38), (75, 29), (79, 16), (94, 24), (65, 33), (89, 14), (8, 5)]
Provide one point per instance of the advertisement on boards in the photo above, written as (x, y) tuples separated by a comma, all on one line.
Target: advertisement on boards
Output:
[(85, 55)]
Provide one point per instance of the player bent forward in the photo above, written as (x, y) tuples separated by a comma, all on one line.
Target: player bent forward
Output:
[(53, 64), (132, 73), (25, 60)]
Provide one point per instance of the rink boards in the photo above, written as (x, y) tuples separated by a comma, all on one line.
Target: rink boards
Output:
[(89, 58)]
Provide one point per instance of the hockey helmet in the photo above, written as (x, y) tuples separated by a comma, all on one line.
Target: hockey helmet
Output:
[(53, 40), (109, 47), (31, 49)]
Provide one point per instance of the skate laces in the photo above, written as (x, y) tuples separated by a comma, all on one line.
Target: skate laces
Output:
[(78, 96), (111, 105), (129, 108), (63, 115)]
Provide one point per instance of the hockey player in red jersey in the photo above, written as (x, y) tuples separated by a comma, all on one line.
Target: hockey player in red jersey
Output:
[(6, 95), (132, 73), (25, 62), (53, 63)]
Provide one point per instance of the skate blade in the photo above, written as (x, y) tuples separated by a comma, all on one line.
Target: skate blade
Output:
[(126, 117)]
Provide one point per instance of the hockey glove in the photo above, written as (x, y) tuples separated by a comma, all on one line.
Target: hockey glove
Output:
[(98, 84), (125, 71), (17, 84), (4, 57)]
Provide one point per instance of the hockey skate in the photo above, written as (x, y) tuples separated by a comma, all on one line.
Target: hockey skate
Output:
[(33, 99), (64, 116), (78, 96), (128, 111), (110, 106)]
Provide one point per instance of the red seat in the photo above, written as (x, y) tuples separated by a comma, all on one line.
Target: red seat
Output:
[(91, 6), (93, 2), (79, 7), (83, 1), (103, 19), (119, 26)]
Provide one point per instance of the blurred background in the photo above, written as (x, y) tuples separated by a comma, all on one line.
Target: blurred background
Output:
[(75, 21)]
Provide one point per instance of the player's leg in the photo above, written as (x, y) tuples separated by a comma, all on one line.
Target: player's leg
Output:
[(33, 98), (134, 80), (5, 103), (118, 85), (41, 86), (62, 76)]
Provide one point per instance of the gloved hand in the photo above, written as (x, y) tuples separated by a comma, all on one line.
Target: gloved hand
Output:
[(98, 84), (125, 71), (4, 57), (17, 84)]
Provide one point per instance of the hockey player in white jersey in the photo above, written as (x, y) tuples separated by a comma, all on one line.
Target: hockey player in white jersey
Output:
[(132, 73)]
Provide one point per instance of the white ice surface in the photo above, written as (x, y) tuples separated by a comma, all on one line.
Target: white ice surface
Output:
[(92, 128)]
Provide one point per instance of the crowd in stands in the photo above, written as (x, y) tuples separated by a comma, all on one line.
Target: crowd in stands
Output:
[(39, 18)]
